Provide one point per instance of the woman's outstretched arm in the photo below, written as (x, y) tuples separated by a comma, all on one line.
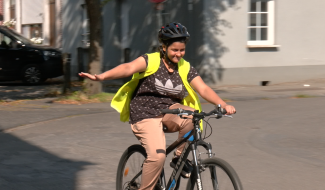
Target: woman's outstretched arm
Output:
[(121, 71)]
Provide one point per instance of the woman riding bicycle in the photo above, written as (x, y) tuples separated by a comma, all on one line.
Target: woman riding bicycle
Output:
[(160, 81)]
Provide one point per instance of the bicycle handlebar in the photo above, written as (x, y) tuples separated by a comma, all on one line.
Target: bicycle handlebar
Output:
[(173, 111), (217, 111)]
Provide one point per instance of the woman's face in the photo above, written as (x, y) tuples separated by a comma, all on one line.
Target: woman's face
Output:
[(175, 51)]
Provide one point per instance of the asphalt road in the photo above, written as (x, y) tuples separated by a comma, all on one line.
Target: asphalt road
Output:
[(272, 144)]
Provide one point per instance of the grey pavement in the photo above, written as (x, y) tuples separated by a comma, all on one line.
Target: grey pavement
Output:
[(39, 109), (273, 145), (313, 87), (276, 141)]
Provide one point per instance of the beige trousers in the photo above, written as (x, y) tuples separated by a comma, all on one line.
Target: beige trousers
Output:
[(151, 136)]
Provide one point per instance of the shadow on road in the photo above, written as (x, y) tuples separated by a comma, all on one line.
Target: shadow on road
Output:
[(19, 83), (26, 166), (17, 90)]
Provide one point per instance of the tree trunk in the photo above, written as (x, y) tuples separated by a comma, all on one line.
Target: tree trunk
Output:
[(96, 49)]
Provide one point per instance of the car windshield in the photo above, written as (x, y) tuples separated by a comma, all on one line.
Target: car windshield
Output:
[(20, 37)]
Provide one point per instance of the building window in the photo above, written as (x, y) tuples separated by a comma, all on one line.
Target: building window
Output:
[(261, 22), (33, 32), (36, 31)]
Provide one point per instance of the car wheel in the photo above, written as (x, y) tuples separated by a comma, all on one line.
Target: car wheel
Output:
[(31, 74)]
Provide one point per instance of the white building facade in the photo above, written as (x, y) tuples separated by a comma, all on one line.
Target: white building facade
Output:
[(36, 19), (232, 41)]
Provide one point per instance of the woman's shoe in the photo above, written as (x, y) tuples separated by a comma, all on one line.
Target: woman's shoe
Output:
[(187, 169)]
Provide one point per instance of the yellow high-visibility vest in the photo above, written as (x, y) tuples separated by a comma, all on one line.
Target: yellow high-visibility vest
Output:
[(122, 99)]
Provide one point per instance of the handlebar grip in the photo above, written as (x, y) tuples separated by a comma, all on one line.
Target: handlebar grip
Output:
[(223, 111), (174, 111)]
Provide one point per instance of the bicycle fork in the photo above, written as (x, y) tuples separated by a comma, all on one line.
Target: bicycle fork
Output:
[(196, 168), (212, 169)]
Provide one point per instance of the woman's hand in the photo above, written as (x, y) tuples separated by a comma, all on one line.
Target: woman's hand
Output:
[(91, 77), (230, 109)]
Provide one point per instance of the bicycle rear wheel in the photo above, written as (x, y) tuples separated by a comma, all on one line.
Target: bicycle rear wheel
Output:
[(216, 174), (129, 169)]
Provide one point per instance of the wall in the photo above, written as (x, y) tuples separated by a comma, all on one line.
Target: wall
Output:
[(32, 11), (134, 24), (111, 35), (72, 30), (300, 55), (218, 44), (142, 28), (128, 24)]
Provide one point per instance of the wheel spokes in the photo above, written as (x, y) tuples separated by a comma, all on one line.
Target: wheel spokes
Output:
[(132, 172), (32, 75)]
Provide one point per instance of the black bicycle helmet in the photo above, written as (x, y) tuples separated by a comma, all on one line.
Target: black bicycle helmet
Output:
[(172, 30)]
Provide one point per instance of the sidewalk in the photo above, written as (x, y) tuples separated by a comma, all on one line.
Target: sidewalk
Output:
[(307, 88), (22, 113)]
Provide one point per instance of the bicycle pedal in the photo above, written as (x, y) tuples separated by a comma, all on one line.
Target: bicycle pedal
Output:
[(187, 169), (158, 187)]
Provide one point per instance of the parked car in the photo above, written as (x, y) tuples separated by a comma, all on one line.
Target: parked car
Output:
[(20, 59)]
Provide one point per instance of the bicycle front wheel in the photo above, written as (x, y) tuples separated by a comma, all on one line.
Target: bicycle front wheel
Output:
[(216, 174), (130, 168)]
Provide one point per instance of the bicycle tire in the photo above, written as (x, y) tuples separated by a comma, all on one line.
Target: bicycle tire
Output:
[(127, 170), (226, 176)]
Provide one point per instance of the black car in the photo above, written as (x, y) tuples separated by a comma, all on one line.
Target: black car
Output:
[(20, 59)]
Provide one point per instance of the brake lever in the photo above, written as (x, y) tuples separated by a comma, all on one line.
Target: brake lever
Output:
[(220, 116), (180, 114), (228, 116)]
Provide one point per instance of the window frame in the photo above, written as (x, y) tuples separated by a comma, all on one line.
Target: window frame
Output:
[(270, 26)]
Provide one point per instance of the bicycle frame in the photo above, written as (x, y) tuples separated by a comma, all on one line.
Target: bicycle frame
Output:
[(193, 139)]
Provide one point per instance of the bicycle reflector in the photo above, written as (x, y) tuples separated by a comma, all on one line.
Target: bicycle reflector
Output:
[(126, 171)]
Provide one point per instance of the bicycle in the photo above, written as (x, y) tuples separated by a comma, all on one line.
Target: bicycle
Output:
[(215, 166)]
